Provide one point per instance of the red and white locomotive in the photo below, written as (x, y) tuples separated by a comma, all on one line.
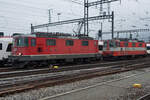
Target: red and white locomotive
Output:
[(123, 48), (50, 47)]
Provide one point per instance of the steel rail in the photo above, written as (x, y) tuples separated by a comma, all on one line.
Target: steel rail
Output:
[(62, 79), (61, 69)]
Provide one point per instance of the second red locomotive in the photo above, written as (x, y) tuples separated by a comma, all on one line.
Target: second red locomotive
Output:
[(123, 48)]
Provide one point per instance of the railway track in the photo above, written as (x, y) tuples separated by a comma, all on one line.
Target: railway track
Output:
[(14, 73), (13, 68), (6, 69), (145, 97), (8, 87)]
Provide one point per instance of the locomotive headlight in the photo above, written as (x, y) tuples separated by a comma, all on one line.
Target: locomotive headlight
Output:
[(20, 54)]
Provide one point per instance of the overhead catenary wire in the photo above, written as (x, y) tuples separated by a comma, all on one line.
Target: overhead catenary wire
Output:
[(30, 12)]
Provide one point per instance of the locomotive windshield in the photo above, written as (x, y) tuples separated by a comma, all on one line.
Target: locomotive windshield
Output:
[(148, 47), (22, 42)]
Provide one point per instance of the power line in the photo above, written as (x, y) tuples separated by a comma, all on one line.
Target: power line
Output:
[(28, 14), (32, 2), (27, 6), (129, 31), (21, 5), (21, 12), (17, 18), (32, 14), (70, 21), (79, 3), (75, 1)]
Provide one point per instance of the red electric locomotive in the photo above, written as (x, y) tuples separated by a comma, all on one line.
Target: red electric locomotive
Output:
[(124, 48), (49, 47)]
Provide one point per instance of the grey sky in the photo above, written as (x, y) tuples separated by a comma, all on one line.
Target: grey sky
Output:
[(17, 15)]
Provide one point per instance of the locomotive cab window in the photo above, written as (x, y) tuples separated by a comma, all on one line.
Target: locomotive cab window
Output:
[(115, 44), (111, 44), (26, 42), (148, 47), (33, 42), (105, 44), (69, 43), (85, 43), (50, 42), (118, 44), (22, 42), (100, 47), (126, 44), (0, 46), (140, 45), (9, 47), (133, 44)]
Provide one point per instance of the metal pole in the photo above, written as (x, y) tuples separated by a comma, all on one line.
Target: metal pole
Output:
[(112, 24), (58, 14), (101, 9), (117, 35), (50, 18), (47, 29), (102, 30), (87, 19), (84, 17), (32, 29)]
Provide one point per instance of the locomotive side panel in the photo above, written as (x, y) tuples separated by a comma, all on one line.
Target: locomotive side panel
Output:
[(41, 48)]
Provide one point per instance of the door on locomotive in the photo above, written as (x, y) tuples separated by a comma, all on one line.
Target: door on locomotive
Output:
[(100, 46)]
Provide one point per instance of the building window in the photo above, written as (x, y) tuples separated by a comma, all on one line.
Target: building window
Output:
[(33, 42), (69, 43), (85, 43), (9, 47), (50, 42), (0, 46)]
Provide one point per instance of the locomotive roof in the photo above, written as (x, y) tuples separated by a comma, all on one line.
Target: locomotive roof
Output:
[(53, 35), (24, 35), (147, 44), (60, 35), (126, 39), (6, 38)]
